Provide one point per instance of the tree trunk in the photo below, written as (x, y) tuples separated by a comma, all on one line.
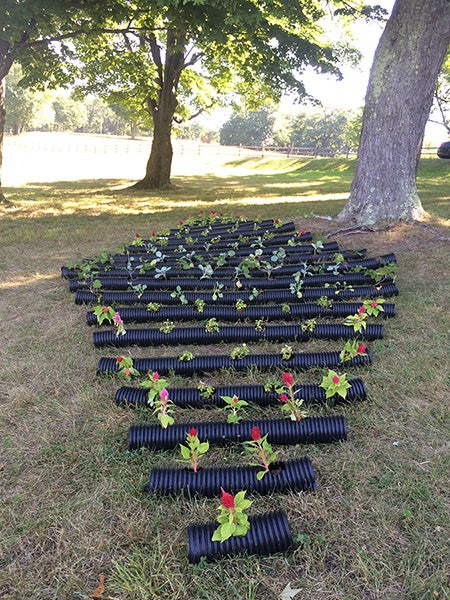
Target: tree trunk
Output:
[(3, 199), (162, 109), (398, 101)]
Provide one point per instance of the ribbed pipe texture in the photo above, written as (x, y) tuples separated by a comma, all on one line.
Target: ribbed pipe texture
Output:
[(123, 282), (233, 333), (206, 364), (266, 297), (296, 475), (269, 533), (190, 397), (311, 430), (139, 314)]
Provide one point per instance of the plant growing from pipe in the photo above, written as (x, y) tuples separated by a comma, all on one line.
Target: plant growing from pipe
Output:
[(232, 519), (126, 368), (234, 407), (351, 349), (104, 313), (118, 323), (194, 450), (287, 352), (167, 326), (239, 352), (154, 385), (358, 320), (212, 325), (164, 409), (291, 406), (206, 391), (374, 307), (261, 451), (333, 384), (153, 306)]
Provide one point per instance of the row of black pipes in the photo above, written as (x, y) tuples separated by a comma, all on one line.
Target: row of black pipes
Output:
[(269, 532)]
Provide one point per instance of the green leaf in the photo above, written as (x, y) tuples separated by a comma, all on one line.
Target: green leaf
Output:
[(185, 452)]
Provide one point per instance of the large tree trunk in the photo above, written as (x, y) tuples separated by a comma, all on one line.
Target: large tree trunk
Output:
[(159, 164), (3, 199), (162, 108), (398, 101)]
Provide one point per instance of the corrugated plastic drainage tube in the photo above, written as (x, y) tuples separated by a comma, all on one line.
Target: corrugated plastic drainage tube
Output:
[(232, 333), (296, 475), (311, 430), (139, 314), (228, 313), (206, 364), (186, 397), (266, 297), (260, 283), (269, 533)]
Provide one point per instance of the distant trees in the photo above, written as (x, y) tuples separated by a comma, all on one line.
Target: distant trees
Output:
[(330, 130), (252, 129)]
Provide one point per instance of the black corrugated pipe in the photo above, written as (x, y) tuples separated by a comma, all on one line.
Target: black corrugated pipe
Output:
[(233, 333), (300, 361), (139, 314), (296, 475), (265, 297), (269, 533), (311, 430), (187, 397)]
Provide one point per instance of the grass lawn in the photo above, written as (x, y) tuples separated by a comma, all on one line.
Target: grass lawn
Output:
[(72, 507)]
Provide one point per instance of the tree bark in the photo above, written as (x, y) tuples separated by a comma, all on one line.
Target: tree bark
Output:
[(162, 109), (399, 96), (3, 199)]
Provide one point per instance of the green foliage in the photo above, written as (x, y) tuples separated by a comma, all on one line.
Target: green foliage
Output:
[(252, 129), (261, 452), (154, 384), (234, 408), (194, 449), (232, 519), (333, 384)]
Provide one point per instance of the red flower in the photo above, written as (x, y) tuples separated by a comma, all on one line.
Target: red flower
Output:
[(235, 399), (180, 222), (137, 235), (227, 499), (362, 309), (276, 221), (374, 303), (256, 434), (164, 395), (283, 398), (361, 348), (127, 371), (193, 432), (119, 359), (302, 232), (155, 376), (288, 379), (105, 309), (213, 212), (335, 380)]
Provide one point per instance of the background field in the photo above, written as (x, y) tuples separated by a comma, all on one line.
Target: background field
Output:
[(72, 504)]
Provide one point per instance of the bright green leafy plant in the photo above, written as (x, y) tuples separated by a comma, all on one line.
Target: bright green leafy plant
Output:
[(126, 368), (154, 384), (232, 519), (234, 407), (104, 313), (164, 409), (374, 307), (358, 320), (351, 349), (239, 352), (261, 450), (194, 449), (333, 384), (291, 406)]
